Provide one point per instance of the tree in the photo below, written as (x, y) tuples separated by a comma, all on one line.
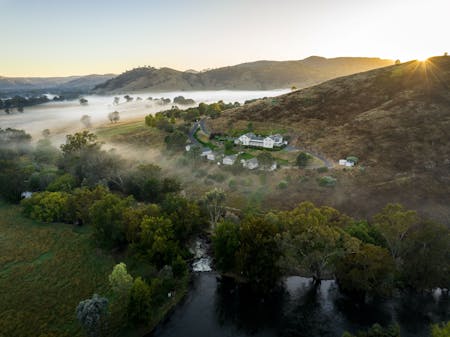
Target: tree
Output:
[(150, 120), (116, 100), (185, 215), (303, 159), (293, 88), (426, 256), (140, 297), (114, 116), (214, 202), (83, 101), (394, 224), (92, 314), (106, 216), (128, 98), (313, 239), (120, 281), (46, 133), (86, 120), (368, 270), (265, 159), (175, 141), (46, 206), (225, 243), (397, 62), (157, 241), (259, 253), (440, 330), (315, 250), (377, 330), (79, 141)]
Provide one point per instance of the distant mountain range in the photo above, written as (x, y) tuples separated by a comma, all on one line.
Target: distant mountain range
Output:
[(17, 85), (260, 75)]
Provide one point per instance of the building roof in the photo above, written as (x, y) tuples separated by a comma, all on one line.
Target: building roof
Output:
[(277, 138), (253, 161), (231, 157)]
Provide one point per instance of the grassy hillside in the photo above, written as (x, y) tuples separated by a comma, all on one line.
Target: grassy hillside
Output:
[(261, 75), (395, 119), (70, 83), (45, 270)]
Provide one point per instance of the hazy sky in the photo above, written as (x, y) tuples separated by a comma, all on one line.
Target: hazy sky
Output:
[(67, 37)]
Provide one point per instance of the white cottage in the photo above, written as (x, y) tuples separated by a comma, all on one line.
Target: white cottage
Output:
[(229, 160), (205, 152), (250, 164)]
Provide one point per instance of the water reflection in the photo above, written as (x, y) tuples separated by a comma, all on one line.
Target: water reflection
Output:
[(217, 308)]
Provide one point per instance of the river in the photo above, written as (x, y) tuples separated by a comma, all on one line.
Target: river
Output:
[(218, 307)]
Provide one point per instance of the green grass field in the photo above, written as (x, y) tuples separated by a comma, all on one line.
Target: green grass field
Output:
[(45, 270)]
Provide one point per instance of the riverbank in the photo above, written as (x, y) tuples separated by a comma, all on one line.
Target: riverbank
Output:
[(219, 307)]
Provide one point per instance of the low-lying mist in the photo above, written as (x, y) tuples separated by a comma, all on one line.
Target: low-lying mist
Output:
[(64, 117)]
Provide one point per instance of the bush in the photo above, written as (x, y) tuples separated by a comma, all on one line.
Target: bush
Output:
[(352, 159), (64, 183), (219, 177), (303, 159), (47, 206), (232, 184), (327, 181), (322, 169), (282, 184)]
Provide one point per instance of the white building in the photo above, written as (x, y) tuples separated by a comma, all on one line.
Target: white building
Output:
[(250, 164), (205, 152), (211, 156), (344, 162), (229, 160), (269, 142)]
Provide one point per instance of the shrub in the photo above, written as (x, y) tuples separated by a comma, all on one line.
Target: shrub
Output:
[(322, 169), (46, 206), (327, 181), (282, 184), (232, 184), (352, 159), (64, 183)]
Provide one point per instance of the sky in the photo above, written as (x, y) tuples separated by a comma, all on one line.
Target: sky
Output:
[(68, 37)]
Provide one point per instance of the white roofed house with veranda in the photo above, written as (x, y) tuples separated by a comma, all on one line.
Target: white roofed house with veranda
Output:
[(269, 142)]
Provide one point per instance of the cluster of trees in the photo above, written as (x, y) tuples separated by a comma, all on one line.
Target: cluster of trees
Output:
[(189, 115), (437, 330), (134, 210), (397, 249), (20, 102), (183, 101)]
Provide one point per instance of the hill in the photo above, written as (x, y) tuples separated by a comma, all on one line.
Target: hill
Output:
[(396, 120), (260, 75), (16, 85)]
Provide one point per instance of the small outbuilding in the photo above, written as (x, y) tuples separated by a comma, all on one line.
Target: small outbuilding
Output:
[(229, 160), (250, 164)]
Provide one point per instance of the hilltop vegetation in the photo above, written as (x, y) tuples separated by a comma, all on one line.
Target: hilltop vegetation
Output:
[(260, 75), (394, 119)]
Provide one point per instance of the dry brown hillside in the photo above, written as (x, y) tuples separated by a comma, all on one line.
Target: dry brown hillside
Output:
[(395, 119)]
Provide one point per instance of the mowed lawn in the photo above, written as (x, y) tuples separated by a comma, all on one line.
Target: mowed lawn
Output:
[(45, 270)]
